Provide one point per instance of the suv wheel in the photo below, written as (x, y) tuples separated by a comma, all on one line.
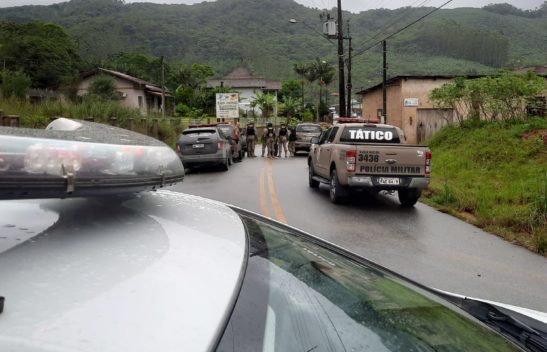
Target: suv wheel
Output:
[(226, 164), (337, 191), (313, 183)]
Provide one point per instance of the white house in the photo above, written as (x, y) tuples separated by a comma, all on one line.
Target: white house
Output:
[(248, 86), (135, 92)]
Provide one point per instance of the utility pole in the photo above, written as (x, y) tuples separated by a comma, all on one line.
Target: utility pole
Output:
[(349, 74), (384, 84), (162, 88), (341, 85)]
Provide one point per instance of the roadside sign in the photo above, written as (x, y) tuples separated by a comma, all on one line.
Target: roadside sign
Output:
[(411, 102), (227, 106)]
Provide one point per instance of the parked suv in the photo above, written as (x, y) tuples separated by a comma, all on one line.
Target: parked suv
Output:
[(204, 145), (304, 133)]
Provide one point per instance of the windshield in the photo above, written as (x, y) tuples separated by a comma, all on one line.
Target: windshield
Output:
[(226, 129), (308, 128), (299, 296)]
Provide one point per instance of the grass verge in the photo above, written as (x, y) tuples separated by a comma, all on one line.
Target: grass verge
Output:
[(494, 175)]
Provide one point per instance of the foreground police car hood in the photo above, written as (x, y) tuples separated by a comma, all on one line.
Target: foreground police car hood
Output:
[(148, 273)]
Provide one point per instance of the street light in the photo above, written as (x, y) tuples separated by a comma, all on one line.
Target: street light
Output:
[(294, 20)]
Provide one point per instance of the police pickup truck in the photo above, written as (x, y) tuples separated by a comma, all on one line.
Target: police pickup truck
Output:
[(356, 153)]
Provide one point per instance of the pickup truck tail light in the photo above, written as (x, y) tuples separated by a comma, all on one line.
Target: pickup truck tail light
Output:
[(220, 145), (427, 163), (351, 157), (178, 148)]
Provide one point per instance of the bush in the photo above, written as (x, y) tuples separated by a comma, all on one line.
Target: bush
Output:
[(15, 84), (104, 87)]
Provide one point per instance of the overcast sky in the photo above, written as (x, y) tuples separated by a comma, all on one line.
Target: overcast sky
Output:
[(349, 5)]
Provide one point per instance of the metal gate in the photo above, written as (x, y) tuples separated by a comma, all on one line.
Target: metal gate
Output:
[(430, 121)]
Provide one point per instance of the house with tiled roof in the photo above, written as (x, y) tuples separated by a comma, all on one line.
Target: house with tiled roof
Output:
[(135, 92), (246, 85)]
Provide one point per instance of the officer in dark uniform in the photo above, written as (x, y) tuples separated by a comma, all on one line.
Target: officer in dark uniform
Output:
[(251, 138), (270, 139), (292, 140), (283, 137)]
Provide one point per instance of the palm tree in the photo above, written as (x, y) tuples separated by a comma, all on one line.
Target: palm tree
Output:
[(302, 70), (266, 103), (291, 106), (324, 72)]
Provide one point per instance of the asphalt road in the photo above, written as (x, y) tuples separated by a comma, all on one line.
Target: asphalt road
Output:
[(421, 243)]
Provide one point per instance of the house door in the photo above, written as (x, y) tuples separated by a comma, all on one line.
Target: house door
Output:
[(430, 121)]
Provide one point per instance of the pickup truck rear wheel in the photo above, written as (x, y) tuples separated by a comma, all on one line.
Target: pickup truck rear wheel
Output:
[(409, 197), (313, 183), (337, 191)]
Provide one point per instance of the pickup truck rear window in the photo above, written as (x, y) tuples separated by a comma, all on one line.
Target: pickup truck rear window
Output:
[(369, 134)]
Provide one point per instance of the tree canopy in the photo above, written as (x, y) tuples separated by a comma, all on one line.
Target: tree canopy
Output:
[(223, 35), (43, 51)]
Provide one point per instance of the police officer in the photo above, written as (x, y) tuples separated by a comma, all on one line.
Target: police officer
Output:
[(236, 146), (283, 136), (292, 140), (270, 139), (264, 138), (251, 133)]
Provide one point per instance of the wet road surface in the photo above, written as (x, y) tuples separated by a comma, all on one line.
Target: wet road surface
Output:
[(421, 243)]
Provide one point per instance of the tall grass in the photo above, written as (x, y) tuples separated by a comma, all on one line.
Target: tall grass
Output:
[(40, 115), (493, 172), (99, 110)]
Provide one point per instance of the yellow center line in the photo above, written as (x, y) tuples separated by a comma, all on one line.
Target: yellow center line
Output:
[(262, 193), (275, 203)]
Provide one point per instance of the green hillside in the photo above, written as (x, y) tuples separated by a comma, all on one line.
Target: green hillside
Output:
[(495, 176), (257, 33)]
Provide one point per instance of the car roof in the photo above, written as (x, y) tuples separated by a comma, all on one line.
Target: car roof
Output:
[(361, 124), (200, 128), (151, 272)]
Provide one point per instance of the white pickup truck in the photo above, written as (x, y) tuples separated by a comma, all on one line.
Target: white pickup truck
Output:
[(357, 154)]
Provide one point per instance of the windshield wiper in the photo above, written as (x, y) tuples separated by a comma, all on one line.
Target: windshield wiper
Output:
[(530, 338)]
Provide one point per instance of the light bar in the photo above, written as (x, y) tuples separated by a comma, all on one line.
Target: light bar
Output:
[(74, 158), (356, 120)]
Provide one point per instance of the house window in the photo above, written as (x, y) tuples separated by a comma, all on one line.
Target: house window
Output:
[(140, 101)]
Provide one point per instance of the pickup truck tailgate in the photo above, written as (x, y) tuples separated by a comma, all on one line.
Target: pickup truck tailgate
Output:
[(401, 160)]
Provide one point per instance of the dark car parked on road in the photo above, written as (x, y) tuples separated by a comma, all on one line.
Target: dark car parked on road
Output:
[(304, 133), (204, 145)]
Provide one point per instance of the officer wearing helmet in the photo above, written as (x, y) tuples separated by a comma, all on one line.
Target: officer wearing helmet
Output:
[(251, 138), (283, 137), (269, 138), (292, 140), (236, 144)]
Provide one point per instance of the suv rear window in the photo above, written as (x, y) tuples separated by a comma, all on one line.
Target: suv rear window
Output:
[(308, 128), (370, 134), (196, 133)]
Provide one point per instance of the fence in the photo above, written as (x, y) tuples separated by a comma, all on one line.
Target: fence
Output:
[(155, 127), (9, 120)]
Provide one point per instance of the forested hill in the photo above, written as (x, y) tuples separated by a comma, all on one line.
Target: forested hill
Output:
[(257, 33)]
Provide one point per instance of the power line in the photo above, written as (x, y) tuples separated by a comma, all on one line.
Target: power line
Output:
[(396, 19), (402, 29)]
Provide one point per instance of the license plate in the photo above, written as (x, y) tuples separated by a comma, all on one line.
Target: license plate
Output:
[(388, 181), (197, 145)]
